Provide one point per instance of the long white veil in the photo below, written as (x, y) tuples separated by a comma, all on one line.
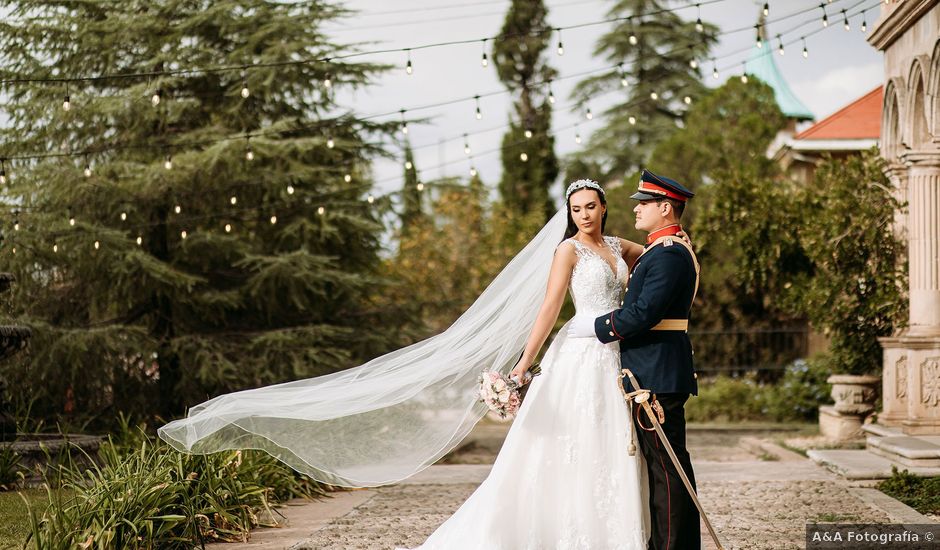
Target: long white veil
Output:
[(387, 419)]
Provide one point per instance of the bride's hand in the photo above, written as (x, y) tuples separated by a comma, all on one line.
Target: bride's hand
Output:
[(518, 372)]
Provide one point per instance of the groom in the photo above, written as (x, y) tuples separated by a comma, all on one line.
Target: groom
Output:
[(651, 326)]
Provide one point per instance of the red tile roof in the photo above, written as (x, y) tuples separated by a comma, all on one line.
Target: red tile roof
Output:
[(860, 119)]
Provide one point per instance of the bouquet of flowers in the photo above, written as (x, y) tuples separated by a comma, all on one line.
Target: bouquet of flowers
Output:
[(503, 395)]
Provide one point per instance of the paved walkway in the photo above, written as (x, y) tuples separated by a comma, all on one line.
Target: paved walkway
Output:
[(757, 495)]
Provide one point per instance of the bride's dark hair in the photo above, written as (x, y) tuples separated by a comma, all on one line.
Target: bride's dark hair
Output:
[(572, 229)]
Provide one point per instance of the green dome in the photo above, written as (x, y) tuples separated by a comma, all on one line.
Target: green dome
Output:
[(761, 65)]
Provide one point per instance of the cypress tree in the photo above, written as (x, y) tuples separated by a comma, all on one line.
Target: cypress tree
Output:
[(221, 238), (528, 149)]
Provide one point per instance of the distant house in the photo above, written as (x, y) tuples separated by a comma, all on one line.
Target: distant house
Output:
[(849, 131)]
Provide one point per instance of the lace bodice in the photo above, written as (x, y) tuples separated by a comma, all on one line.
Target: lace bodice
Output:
[(594, 287)]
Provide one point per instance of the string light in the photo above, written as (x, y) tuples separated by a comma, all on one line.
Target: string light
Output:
[(404, 123), (87, 170), (466, 145), (805, 51), (693, 63), (623, 76), (780, 45), (249, 153), (168, 163), (714, 69), (123, 216), (347, 178), (321, 210), (245, 91), (67, 103), (177, 209), (632, 39), (3, 172), (631, 120), (140, 240), (523, 157), (483, 60), (155, 98), (528, 133), (273, 220), (71, 218), (687, 100), (654, 96), (760, 42), (16, 220), (183, 234), (766, 9), (228, 228), (97, 245), (330, 143), (699, 26), (479, 113), (420, 186), (551, 95), (743, 73), (290, 189), (473, 171), (371, 199), (408, 67), (864, 25), (561, 47), (825, 18), (577, 134), (55, 247), (233, 200), (328, 81), (408, 165), (845, 21), (589, 115)]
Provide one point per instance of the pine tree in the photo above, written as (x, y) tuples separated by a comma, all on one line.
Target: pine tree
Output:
[(179, 268), (528, 148), (412, 208), (656, 50)]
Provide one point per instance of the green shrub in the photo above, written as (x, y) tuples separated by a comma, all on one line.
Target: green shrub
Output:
[(151, 496), (795, 397), (11, 471), (920, 493)]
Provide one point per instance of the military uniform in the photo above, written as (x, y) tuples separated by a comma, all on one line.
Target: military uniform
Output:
[(651, 326)]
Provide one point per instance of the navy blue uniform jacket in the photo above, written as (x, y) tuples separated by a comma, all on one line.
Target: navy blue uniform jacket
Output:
[(662, 286)]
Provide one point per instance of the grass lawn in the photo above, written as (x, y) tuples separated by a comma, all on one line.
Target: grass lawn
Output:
[(14, 525)]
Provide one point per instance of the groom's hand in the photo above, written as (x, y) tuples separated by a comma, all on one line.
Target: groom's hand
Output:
[(581, 326)]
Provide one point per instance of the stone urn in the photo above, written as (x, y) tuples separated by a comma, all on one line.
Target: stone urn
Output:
[(854, 396)]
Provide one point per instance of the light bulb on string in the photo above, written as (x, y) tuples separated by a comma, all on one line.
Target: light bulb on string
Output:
[(623, 76), (409, 68), (67, 103), (321, 210), (551, 95), (273, 220), (16, 220), (825, 19), (328, 81), (561, 47), (249, 152), (714, 70), (245, 91), (577, 134), (479, 113), (97, 245), (693, 64), (780, 45), (87, 170), (864, 25), (743, 73), (528, 133), (290, 189), (371, 199), (404, 123), (184, 234), (177, 209), (483, 60), (168, 162), (123, 216), (687, 100), (409, 165), (156, 97), (760, 41), (473, 171), (654, 96), (330, 143), (845, 21), (632, 39), (523, 157), (588, 114), (631, 120), (466, 145), (71, 218), (233, 199), (228, 228), (420, 186), (699, 26), (3, 172), (347, 178), (140, 240), (766, 9), (805, 51), (55, 247)]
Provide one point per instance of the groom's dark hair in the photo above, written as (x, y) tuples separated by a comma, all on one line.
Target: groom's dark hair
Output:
[(677, 206)]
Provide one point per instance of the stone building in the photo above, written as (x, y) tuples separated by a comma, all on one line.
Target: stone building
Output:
[(907, 432)]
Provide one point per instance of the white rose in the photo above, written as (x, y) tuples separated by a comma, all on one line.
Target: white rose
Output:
[(504, 396)]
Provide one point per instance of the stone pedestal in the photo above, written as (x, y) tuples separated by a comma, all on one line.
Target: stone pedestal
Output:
[(839, 426)]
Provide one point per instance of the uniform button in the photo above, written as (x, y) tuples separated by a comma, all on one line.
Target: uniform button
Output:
[(607, 322), (611, 333)]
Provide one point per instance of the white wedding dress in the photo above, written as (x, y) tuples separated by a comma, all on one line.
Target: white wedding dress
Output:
[(564, 478)]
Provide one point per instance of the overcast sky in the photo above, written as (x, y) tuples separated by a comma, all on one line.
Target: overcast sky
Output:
[(841, 67)]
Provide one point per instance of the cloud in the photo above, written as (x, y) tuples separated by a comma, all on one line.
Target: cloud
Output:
[(838, 87)]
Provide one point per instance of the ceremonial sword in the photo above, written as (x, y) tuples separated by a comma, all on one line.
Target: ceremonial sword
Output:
[(642, 397)]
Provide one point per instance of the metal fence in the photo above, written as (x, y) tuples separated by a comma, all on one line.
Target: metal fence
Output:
[(767, 351)]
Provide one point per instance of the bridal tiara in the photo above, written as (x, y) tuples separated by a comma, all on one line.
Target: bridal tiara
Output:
[(583, 184)]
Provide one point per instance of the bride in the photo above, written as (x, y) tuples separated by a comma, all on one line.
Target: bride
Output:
[(565, 476)]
